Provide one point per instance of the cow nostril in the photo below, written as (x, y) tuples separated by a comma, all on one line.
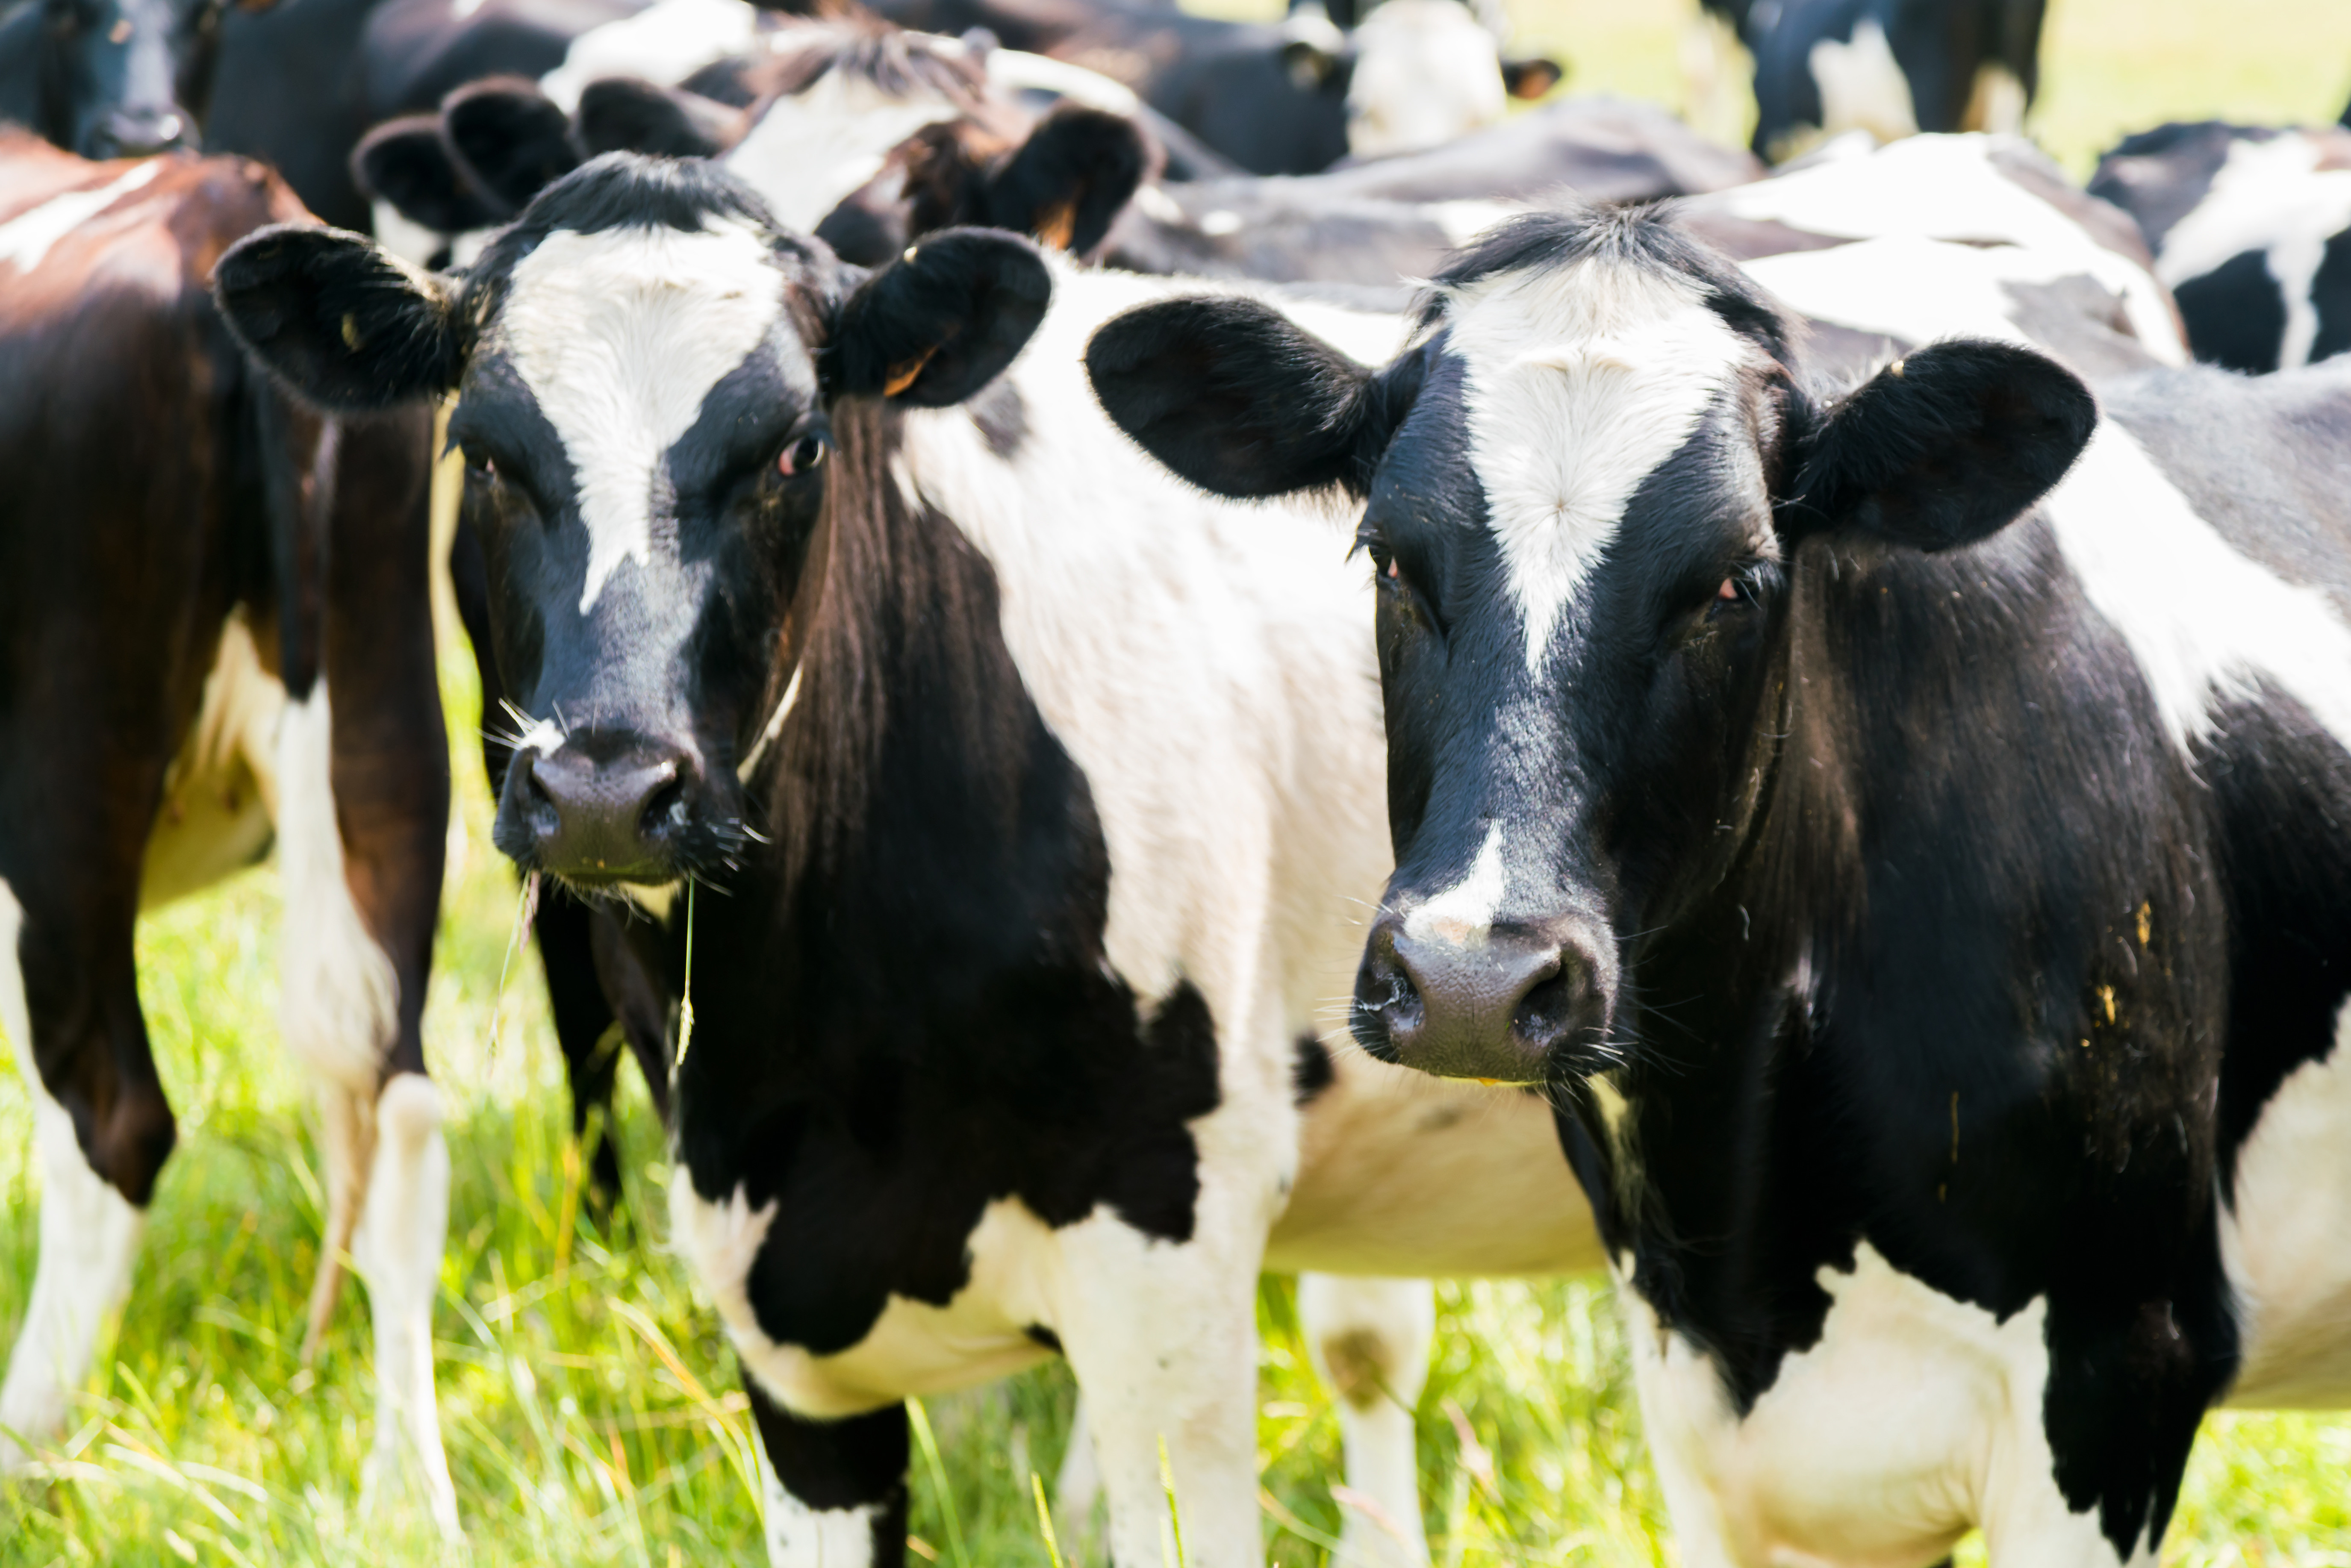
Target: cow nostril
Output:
[(664, 808)]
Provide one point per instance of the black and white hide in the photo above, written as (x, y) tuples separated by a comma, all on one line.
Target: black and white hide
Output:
[(1038, 799), (1901, 816), (2252, 229)]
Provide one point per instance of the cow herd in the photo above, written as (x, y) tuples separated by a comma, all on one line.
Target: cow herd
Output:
[(1127, 650)]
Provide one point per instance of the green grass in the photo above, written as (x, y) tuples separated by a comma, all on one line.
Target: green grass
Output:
[(586, 1395)]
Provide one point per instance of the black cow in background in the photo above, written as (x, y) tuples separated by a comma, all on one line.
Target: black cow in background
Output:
[(101, 78), (1893, 67), (2250, 227)]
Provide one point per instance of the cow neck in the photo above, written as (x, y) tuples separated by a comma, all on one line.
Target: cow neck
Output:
[(1827, 1046), (928, 833)]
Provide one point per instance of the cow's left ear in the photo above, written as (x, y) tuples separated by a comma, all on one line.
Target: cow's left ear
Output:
[(1070, 179), (1946, 446), (348, 326), (940, 323)]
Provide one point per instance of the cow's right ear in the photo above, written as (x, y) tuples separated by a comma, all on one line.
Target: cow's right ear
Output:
[(509, 137), (404, 161), (350, 327), (1239, 399), (622, 114)]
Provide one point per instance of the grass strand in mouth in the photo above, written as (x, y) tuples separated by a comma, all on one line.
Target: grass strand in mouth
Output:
[(526, 911), (685, 997)]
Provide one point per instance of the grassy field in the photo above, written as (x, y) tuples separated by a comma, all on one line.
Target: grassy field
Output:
[(586, 1394)]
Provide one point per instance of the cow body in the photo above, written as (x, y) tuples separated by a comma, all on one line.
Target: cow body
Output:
[(191, 671), (1911, 863), (1064, 786), (1892, 67), (2252, 229)]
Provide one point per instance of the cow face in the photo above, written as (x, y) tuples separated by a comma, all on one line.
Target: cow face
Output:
[(1428, 71), (1586, 486), (107, 74), (651, 377)]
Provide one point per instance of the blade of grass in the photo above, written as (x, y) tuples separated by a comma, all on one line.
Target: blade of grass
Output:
[(919, 1418)]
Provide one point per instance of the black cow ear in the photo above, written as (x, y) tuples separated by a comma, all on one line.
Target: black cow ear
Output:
[(1532, 79), (405, 162), (509, 137), (622, 114), (1237, 398), (939, 323), (345, 324), (1947, 446), (1071, 178)]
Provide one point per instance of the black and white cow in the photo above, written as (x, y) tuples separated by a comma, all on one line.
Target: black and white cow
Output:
[(1287, 98), (1901, 823), (1041, 790), (1892, 67), (2252, 228), (214, 634), (101, 78)]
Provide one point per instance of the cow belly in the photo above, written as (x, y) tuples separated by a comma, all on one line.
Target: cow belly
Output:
[(1913, 1416), (914, 1348), (2282, 1242), (220, 796), (1401, 1174)]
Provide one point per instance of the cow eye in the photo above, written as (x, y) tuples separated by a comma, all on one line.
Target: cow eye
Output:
[(805, 455)]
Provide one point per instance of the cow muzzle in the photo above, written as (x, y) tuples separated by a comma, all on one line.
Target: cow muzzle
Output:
[(599, 814), (1519, 1003)]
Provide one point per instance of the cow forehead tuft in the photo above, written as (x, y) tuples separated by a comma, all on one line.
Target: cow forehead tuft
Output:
[(1579, 380)]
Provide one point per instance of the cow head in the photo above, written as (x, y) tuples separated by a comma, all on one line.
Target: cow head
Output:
[(1592, 482), (651, 375), (105, 74), (1427, 71)]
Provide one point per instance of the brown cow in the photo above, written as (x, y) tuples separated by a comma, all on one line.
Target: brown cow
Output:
[(213, 630)]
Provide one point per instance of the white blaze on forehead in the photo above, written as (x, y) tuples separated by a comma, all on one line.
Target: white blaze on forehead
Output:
[(1580, 382), (810, 150), (621, 336)]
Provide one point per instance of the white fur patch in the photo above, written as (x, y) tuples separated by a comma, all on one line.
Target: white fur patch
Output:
[(799, 1536), (1368, 1342), (402, 1233), (2281, 1241), (2203, 622), (1425, 72), (1862, 85), (810, 150), (2271, 197), (89, 1239), (1013, 70), (26, 238), (665, 43), (1914, 1417), (1945, 187), (1911, 288), (620, 336), (1465, 912), (339, 1006), (1580, 382)]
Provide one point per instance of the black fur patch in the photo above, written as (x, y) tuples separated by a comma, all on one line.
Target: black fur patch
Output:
[(859, 1462), (1311, 1070), (2235, 314), (509, 137)]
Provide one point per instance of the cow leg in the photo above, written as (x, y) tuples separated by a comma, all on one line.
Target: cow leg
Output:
[(1163, 1340), (79, 1041), (1077, 1488), (1368, 1342), (835, 1491), (398, 1249), (584, 1029)]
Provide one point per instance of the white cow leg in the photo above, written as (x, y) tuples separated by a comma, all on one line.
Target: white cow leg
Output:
[(1162, 1339), (89, 1237), (347, 1141), (401, 1231), (1368, 1341), (1078, 1489)]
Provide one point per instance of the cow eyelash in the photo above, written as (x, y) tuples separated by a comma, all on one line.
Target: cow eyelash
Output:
[(1741, 589)]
